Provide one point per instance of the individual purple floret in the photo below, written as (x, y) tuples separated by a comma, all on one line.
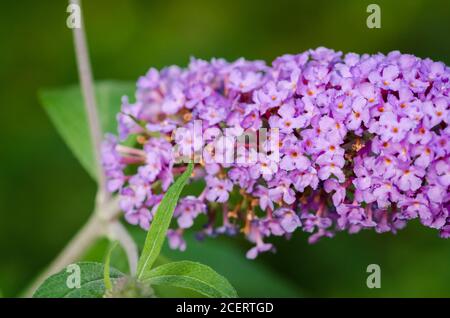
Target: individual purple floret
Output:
[(362, 142)]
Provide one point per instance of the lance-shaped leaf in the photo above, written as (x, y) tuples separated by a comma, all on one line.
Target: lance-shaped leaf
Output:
[(191, 275), (65, 107), (160, 223), (106, 269), (79, 280)]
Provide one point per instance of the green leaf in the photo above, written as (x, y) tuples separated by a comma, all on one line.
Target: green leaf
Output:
[(191, 275), (160, 223), (64, 284), (250, 278), (65, 107), (119, 261), (106, 269)]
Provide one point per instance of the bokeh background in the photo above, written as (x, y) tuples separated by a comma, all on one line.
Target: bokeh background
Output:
[(45, 195)]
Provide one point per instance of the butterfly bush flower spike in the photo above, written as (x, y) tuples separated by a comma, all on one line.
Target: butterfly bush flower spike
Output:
[(362, 142)]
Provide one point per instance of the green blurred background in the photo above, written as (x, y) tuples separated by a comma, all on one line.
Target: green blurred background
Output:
[(45, 195)]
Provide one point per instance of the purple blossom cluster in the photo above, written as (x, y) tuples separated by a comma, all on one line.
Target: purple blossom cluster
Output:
[(364, 142)]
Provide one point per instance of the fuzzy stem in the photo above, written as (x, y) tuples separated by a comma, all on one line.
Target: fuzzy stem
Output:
[(87, 85), (118, 232), (71, 253), (103, 220), (98, 225)]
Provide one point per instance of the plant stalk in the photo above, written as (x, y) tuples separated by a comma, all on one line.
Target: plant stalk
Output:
[(103, 220), (87, 88), (71, 253)]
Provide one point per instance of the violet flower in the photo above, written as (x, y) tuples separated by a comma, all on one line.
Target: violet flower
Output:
[(363, 143)]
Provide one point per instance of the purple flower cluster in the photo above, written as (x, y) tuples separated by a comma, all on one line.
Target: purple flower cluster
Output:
[(364, 142)]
